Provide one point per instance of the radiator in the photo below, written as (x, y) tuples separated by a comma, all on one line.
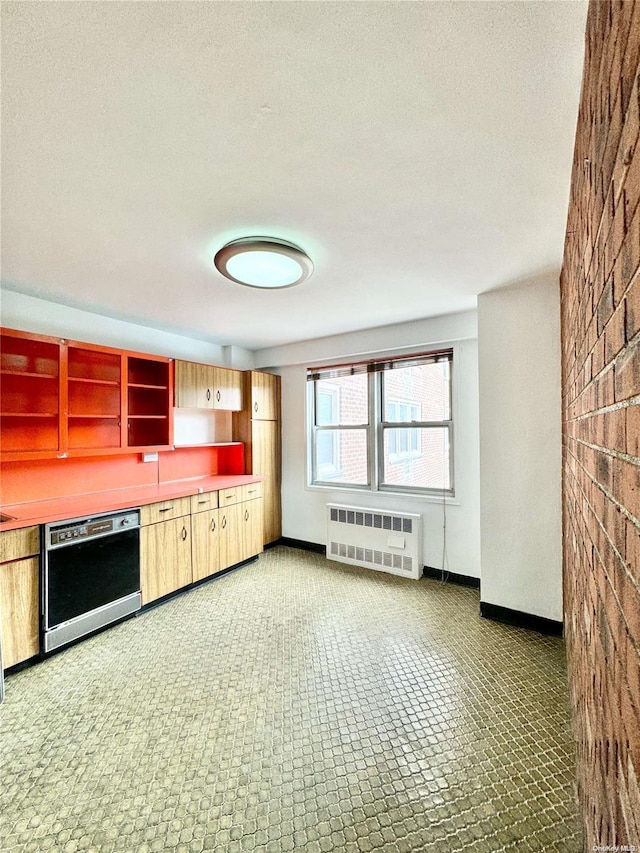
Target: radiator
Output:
[(384, 540)]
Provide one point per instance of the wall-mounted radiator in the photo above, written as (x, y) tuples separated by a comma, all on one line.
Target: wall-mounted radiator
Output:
[(384, 540)]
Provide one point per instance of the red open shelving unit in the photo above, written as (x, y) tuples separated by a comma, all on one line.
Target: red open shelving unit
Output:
[(67, 398)]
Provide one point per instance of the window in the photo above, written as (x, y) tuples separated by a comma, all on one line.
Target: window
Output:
[(383, 425)]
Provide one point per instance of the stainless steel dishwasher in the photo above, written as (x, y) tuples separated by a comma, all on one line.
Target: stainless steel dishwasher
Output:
[(90, 575)]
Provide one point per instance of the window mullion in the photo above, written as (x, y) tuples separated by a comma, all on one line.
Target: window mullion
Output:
[(376, 413)]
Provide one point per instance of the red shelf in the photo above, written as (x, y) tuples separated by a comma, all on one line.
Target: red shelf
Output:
[(95, 416), (151, 387), (28, 414), (110, 382), (28, 375)]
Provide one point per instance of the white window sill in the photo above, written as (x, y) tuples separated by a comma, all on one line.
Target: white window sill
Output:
[(433, 498)]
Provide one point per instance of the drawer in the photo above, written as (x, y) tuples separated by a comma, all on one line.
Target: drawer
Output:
[(252, 491), (204, 501), (164, 510), (16, 544), (226, 497)]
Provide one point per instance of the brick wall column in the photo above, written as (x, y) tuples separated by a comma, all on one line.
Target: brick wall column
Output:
[(600, 295)]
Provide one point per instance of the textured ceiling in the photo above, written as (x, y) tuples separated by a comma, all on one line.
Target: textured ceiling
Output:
[(419, 152)]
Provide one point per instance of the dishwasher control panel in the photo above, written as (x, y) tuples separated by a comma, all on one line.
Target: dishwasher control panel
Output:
[(67, 532)]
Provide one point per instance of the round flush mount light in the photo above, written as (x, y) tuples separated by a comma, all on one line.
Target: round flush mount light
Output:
[(263, 262)]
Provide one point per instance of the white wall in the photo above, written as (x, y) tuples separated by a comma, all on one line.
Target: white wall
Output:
[(304, 514), (31, 314), (520, 447)]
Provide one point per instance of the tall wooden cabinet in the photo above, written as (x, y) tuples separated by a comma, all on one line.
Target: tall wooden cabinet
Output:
[(258, 426)]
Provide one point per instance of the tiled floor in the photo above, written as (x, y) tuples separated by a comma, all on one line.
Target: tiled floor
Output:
[(294, 705)]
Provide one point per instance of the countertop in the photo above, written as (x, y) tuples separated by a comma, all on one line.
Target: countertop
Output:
[(79, 506)]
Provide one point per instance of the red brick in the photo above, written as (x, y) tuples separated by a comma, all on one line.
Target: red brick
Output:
[(632, 300), (614, 430), (614, 335), (627, 372), (632, 550), (632, 417), (627, 486)]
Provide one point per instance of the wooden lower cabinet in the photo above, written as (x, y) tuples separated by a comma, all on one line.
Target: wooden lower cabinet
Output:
[(252, 527), (165, 557), (230, 535), (205, 544), (181, 551), (19, 610), (240, 532)]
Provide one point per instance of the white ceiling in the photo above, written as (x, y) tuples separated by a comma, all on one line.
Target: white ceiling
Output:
[(420, 152)]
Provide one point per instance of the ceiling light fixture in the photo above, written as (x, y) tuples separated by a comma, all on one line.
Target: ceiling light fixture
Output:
[(263, 262)]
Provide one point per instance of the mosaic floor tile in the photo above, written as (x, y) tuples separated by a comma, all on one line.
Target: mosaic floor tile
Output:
[(294, 705)]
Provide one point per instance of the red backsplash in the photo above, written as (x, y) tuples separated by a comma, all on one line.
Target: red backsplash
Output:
[(44, 479), (188, 462)]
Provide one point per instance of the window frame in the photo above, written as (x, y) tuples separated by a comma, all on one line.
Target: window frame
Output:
[(375, 432)]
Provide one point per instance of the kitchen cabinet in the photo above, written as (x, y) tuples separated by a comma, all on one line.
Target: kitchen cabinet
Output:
[(19, 595), (67, 398), (258, 427), (264, 395), (30, 405), (165, 549), (227, 389), (188, 539), (240, 534), (205, 549), (203, 386)]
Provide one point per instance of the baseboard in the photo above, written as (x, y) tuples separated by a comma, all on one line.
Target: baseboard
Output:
[(521, 620), (451, 577), (304, 546)]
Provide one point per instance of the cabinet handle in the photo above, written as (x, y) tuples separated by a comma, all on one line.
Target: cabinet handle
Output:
[(203, 502), (246, 515), (252, 491), (229, 497), (208, 393), (213, 525), (184, 533), (224, 521), (255, 407), (167, 509), (218, 396)]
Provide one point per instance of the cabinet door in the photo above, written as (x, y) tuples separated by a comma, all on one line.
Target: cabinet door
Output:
[(205, 544), (227, 389), (194, 385), (265, 460), (230, 535), (165, 558), (265, 402), (251, 525), (19, 610)]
